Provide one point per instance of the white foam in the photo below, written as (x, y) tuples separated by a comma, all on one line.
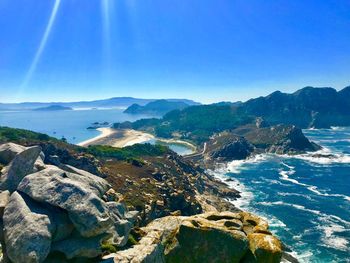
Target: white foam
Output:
[(331, 240), (246, 195), (285, 176), (236, 165), (304, 257)]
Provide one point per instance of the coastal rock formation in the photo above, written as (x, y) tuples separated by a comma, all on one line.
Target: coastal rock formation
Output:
[(210, 237), (280, 139), (227, 147), (48, 209)]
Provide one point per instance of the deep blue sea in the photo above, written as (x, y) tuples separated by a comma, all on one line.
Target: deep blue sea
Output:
[(306, 199), (72, 124)]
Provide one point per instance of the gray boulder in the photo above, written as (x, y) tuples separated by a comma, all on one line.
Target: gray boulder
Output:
[(20, 166), (122, 226), (28, 230), (39, 163), (8, 151), (86, 210), (78, 246), (97, 184)]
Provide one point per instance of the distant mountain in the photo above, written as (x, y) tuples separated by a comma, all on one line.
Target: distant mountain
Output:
[(158, 107), (53, 108), (117, 102), (307, 107)]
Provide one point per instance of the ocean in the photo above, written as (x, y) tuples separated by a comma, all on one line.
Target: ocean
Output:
[(305, 198), (73, 124)]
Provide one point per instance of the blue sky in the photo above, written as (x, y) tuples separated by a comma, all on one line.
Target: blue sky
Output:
[(203, 50)]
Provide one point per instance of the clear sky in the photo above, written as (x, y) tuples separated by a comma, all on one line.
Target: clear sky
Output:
[(64, 50)]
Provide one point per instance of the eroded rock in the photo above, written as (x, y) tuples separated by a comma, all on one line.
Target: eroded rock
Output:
[(86, 210)]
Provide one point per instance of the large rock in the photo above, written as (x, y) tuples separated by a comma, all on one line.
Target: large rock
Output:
[(201, 240), (28, 230), (86, 210), (122, 226), (97, 184), (210, 237), (78, 246), (265, 248), (8, 151), (20, 166), (236, 149)]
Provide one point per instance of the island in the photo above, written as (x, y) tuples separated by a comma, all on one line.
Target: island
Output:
[(158, 107), (53, 108)]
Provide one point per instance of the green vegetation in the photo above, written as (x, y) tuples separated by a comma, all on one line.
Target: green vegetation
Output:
[(129, 153), (196, 123), (156, 107), (109, 248), (19, 135)]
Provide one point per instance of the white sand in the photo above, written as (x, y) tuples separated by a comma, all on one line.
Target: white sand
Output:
[(105, 132), (117, 138)]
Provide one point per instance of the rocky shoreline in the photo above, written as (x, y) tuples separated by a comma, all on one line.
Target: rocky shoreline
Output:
[(76, 214)]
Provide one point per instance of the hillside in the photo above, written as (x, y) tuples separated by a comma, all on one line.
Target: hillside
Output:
[(305, 108), (158, 107)]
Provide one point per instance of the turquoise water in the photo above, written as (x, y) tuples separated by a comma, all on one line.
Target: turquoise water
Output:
[(305, 198), (72, 124)]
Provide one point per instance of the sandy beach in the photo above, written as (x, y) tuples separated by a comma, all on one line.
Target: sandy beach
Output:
[(117, 138)]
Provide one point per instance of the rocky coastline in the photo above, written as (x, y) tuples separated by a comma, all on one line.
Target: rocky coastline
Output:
[(102, 223)]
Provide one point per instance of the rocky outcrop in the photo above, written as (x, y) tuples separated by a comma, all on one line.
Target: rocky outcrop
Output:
[(279, 139), (211, 237), (227, 147), (48, 209)]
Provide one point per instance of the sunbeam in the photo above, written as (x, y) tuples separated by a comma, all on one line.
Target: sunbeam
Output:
[(42, 45), (105, 8)]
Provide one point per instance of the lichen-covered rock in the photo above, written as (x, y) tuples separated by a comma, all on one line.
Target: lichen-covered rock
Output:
[(28, 230), (201, 240), (20, 166), (210, 237), (86, 210), (265, 248), (8, 151)]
